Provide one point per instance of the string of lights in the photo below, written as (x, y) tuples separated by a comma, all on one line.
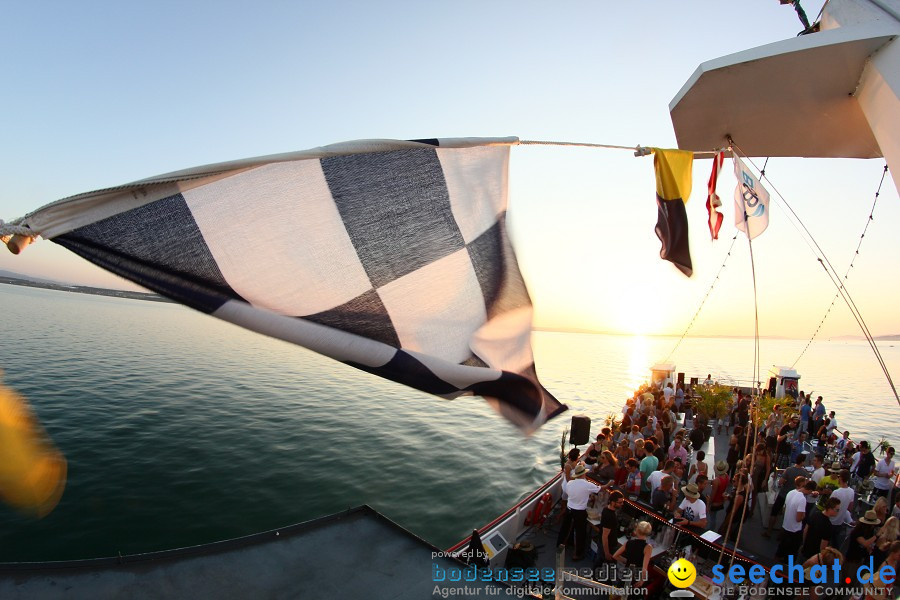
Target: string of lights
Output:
[(847, 274)]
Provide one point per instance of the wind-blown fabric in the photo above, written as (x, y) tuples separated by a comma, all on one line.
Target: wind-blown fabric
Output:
[(751, 201), (713, 202), (674, 173), (390, 256)]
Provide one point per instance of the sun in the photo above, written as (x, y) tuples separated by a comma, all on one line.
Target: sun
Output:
[(639, 311)]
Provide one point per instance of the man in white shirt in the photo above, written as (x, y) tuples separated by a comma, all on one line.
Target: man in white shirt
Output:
[(818, 469), (634, 435), (794, 511), (884, 474), (841, 444), (692, 510), (832, 424), (579, 491), (847, 497), (668, 392), (656, 477)]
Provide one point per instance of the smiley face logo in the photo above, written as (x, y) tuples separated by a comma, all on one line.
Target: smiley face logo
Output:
[(682, 573)]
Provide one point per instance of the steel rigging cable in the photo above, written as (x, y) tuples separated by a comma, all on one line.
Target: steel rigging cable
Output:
[(853, 260), (832, 274)]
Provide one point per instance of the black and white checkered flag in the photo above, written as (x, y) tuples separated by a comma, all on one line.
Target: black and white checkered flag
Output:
[(390, 256)]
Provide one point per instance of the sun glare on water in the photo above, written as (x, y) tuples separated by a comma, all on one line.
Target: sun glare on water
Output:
[(638, 361)]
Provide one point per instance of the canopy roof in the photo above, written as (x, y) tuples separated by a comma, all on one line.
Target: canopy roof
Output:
[(790, 98)]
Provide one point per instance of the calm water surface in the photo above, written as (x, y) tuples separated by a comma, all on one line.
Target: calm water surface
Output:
[(180, 429)]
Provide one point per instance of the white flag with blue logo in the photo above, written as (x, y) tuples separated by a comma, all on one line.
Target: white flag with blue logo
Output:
[(751, 202)]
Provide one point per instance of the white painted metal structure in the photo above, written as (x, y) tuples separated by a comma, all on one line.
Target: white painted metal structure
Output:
[(780, 374), (835, 93)]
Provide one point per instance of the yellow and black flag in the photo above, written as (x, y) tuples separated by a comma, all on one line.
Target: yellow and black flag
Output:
[(674, 169)]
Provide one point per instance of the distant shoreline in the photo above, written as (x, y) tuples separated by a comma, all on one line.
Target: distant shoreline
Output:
[(83, 289), (839, 338)]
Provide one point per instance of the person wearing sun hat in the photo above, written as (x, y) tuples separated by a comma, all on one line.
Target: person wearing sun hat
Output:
[(862, 540), (828, 484), (579, 491), (717, 493), (692, 510)]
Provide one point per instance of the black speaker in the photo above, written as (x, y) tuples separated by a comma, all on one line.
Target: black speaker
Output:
[(695, 381), (580, 431), (681, 379), (773, 382)]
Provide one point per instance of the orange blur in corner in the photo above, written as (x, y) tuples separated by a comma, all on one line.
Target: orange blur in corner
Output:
[(32, 470)]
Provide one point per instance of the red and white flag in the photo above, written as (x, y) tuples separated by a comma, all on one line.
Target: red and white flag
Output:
[(712, 199)]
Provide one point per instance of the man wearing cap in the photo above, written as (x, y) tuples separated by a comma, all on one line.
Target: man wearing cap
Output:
[(692, 510), (884, 474), (579, 491), (794, 512), (786, 483)]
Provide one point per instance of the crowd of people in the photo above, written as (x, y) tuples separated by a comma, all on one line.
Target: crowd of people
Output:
[(818, 482)]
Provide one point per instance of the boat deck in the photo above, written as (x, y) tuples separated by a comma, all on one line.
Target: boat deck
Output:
[(357, 554), (753, 544)]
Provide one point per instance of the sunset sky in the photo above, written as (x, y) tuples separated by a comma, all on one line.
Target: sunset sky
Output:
[(102, 93)]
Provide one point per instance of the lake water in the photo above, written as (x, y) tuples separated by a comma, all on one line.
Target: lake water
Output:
[(179, 429)]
